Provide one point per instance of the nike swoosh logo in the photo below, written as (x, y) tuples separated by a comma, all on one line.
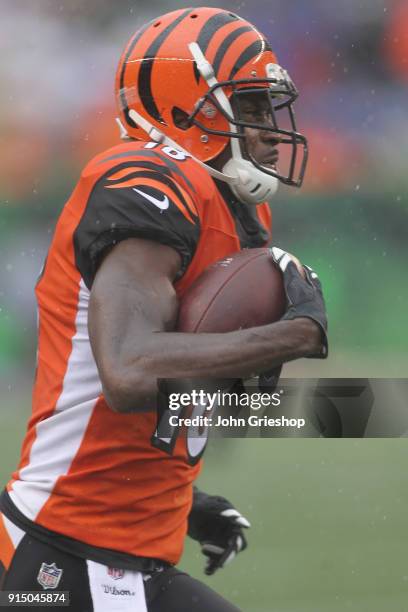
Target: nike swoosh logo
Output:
[(162, 204)]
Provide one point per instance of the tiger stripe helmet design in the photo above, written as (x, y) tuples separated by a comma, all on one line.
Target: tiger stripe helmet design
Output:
[(178, 82)]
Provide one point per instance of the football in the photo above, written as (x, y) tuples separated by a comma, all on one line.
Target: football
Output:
[(240, 291)]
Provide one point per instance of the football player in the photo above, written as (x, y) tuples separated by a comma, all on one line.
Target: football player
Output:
[(100, 505)]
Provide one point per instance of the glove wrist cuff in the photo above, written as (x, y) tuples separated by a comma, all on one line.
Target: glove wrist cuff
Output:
[(324, 348)]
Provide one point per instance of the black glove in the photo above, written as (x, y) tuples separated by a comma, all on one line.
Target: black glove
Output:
[(304, 295), (217, 526)]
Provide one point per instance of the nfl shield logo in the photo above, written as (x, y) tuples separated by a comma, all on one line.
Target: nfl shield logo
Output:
[(116, 573), (49, 576)]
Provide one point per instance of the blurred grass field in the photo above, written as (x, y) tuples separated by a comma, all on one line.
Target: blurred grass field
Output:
[(328, 519)]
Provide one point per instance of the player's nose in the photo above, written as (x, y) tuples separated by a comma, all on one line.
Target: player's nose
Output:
[(270, 136)]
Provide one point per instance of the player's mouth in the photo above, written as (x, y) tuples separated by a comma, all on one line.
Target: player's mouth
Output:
[(271, 160)]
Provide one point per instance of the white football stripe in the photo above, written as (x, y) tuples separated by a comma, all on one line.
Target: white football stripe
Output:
[(283, 263), (278, 253)]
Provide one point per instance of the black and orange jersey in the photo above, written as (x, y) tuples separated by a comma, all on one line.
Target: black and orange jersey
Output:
[(87, 473)]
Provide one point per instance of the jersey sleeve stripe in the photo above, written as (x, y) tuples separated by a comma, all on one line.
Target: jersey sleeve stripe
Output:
[(122, 173), (165, 189), (179, 191), (131, 182), (135, 167), (168, 166), (185, 200)]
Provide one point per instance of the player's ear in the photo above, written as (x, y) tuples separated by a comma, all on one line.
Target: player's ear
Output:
[(180, 118)]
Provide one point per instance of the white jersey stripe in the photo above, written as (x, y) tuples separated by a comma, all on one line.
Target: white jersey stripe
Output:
[(59, 437), (15, 533)]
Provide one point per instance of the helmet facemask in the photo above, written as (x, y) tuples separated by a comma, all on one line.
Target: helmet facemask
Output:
[(255, 182), (272, 116)]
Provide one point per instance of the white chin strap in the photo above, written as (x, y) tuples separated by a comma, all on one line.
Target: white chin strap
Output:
[(249, 184)]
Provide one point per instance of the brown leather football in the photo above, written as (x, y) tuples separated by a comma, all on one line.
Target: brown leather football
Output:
[(242, 290)]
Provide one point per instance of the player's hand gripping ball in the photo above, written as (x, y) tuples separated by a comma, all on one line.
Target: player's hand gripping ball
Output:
[(304, 296)]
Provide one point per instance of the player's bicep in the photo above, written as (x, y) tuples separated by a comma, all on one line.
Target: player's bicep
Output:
[(132, 296)]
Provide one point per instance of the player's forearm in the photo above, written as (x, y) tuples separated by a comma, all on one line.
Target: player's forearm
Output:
[(238, 354)]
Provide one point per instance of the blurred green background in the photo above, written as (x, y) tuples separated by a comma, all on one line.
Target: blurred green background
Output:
[(328, 515)]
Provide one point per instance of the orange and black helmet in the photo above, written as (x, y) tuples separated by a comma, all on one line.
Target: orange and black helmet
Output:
[(164, 80)]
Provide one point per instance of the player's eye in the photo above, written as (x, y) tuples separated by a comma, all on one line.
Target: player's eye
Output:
[(252, 115)]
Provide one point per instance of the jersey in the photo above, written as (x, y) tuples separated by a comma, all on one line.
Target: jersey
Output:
[(95, 477)]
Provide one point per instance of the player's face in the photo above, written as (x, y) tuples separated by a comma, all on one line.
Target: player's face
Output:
[(261, 144)]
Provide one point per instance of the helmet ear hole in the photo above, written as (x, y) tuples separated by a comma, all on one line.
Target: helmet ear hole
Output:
[(180, 118)]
